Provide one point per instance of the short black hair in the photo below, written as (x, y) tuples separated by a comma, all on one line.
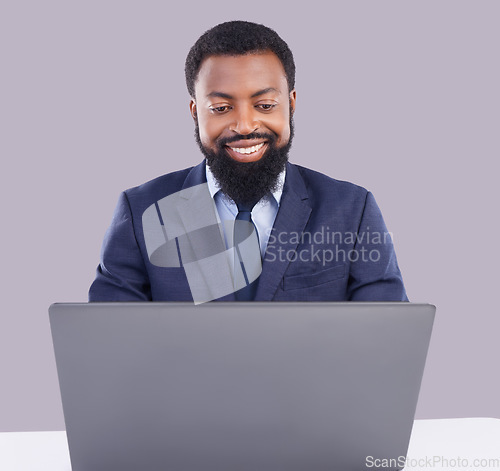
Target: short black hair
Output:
[(235, 38)]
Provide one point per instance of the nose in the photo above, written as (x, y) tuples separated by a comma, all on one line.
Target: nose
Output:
[(245, 121)]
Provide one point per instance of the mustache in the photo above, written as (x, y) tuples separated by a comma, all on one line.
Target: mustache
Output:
[(240, 137)]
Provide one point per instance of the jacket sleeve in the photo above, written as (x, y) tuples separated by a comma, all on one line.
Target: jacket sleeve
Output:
[(374, 271), (121, 274)]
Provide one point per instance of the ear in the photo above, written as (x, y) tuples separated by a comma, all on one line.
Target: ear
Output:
[(192, 108), (293, 97)]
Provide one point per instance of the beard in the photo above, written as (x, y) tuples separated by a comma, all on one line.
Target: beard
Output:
[(247, 182)]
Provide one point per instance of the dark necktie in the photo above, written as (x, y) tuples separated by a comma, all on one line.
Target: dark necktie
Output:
[(246, 243)]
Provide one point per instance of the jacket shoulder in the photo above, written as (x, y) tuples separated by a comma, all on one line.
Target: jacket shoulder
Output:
[(322, 186), (141, 197), (161, 186)]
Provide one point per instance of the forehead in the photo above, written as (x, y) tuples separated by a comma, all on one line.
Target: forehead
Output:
[(240, 75)]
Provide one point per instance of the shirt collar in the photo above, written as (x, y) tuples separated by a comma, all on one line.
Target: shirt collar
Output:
[(214, 188)]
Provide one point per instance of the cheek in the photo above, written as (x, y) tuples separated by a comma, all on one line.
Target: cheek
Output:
[(285, 136), (210, 130), (281, 126)]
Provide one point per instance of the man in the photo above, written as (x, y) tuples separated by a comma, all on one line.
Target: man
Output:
[(199, 234)]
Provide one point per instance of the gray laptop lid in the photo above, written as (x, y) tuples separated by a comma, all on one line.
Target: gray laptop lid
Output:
[(239, 386)]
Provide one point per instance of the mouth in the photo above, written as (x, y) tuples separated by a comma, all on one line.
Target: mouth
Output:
[(247, 153)]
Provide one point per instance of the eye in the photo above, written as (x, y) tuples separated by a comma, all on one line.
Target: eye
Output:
[(219, 109), (266, 106)]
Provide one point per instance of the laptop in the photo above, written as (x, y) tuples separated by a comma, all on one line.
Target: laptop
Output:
[(239, 386)]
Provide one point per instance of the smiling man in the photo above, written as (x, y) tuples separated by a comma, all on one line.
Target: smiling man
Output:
[(242, 108), (246, 224)]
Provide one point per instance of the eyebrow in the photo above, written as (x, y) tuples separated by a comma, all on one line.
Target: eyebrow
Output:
[(266, 90), (229, 97)]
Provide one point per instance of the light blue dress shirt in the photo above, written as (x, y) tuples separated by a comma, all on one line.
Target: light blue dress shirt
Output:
[(263, 213)]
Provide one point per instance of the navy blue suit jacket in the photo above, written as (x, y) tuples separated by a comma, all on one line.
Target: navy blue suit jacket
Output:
[(329, 243)]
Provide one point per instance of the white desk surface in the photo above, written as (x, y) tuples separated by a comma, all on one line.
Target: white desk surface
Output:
[(437, 444)]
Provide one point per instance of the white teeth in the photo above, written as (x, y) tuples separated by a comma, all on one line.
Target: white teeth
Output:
[(247, 150)]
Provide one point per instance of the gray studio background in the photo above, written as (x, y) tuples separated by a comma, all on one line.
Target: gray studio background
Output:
[(399, 97)]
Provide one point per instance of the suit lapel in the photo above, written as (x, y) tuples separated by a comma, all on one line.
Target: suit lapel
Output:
[(196, 176), (181, 209), (292, 217), (196, 210)]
